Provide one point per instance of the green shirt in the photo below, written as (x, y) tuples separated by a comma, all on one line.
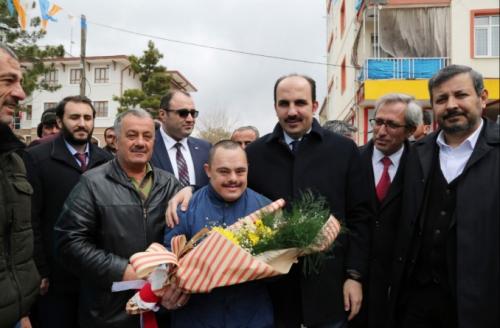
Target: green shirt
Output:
[(144, 187)]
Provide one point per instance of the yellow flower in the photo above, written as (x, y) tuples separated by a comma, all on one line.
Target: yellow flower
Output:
[(253, 237), (228, 234)]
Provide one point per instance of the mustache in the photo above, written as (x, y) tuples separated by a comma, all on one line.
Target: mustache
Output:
[(138, 149), (232, 184), (453, 113), (293, 119)]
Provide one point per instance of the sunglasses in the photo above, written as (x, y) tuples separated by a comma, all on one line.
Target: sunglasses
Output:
[(184, 112)]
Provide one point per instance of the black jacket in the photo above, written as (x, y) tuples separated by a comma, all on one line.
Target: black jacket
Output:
[(53, 172), (328, 165), (19, 279), (476, 222), (375, 307), (104, 222)]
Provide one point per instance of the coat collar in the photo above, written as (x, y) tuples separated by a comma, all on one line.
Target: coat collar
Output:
[(277, 134), (61, 153)]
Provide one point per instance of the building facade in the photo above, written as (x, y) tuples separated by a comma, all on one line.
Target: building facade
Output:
[(106, 76), (379, 46)]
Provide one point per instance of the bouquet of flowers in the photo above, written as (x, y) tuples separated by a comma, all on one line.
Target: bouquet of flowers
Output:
[(263, 244)]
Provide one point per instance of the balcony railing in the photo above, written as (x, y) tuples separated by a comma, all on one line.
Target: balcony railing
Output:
[(401, 68)]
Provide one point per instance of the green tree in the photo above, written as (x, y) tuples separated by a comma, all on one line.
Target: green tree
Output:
[(154, 78), (24, 44)]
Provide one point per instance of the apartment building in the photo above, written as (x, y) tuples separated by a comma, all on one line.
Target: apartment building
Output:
[(106, 76), (379, 46)]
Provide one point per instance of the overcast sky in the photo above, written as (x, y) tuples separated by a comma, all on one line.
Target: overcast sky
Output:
[(238, 84)]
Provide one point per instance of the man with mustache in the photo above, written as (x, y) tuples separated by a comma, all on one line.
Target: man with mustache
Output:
[(220, 203), (447, 260), (396, 117), (115, 211), (175, 151), (300, 156), (54, 168), (19, 278)]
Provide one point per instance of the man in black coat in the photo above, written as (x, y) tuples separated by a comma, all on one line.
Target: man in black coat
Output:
[(299, 156), (447, 263), (54, 168), (396, 117)]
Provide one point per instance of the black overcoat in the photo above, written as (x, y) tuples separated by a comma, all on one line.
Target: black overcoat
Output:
[(375, 305), (53, 172), (476, 219), (330, 165)]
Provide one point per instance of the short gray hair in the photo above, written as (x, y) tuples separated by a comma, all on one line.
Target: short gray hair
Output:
[(248, 127), (340, 127), (137, 112), (413, 112), (5, 48)]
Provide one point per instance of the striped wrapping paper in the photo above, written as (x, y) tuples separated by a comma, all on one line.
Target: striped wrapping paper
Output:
[(218, 262)]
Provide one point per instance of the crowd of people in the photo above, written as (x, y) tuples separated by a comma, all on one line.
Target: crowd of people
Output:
[(421, 210)]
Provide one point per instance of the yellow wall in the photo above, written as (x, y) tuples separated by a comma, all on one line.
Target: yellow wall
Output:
[(375, 89)]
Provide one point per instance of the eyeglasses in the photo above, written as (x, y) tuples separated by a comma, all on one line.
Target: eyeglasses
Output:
[(378, 122), (184, 112)]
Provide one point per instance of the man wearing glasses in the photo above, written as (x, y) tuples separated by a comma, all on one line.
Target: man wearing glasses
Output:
[(396, 118), (175, 151)]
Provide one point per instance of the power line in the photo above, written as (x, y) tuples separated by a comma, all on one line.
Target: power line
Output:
[(200, 45)]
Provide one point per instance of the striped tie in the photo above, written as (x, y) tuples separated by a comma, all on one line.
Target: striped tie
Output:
[(182, 169)]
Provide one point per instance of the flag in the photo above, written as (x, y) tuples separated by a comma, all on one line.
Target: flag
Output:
[(10, 6), (21, 13)]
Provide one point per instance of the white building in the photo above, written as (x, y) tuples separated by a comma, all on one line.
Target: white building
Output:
[(379, 46), (106, 76)]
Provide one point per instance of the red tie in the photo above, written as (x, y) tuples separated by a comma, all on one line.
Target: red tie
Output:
[(82, 158), (385, 180)]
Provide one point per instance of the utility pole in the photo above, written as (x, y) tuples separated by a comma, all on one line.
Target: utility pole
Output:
[(83, 27)]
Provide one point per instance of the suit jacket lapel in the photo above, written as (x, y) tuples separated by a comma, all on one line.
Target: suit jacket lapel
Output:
[(198, 162), (161, 153), (61, 153)]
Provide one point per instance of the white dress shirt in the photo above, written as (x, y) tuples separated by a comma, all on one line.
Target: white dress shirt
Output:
[(378, 167), (453, 160), (172, 152)]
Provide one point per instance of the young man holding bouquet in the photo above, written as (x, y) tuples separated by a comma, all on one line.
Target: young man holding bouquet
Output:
[(221, 203)]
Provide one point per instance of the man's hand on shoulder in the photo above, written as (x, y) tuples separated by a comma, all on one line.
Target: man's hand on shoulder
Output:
[(182, 197)]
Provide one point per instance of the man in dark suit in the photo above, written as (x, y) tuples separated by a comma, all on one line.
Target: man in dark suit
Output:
[(396, 117), (54, 168), (447, 263), (298, 156), (175, 151)]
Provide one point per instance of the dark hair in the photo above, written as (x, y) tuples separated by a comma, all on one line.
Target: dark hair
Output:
[(76, 99), (39, 130), (448, 72), (427, 117), (224, 144), (106, 130), (165, 100), (311, 82)]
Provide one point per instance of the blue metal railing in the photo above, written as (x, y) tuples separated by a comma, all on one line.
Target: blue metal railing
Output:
[(401, 68)]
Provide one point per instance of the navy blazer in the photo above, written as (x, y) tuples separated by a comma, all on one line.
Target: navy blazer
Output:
[(199, 153)]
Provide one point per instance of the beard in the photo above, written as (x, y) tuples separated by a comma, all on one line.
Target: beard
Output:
[(70, 138), (459, 127)]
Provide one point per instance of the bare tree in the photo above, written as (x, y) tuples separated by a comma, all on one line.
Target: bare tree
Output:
[(215, 126)]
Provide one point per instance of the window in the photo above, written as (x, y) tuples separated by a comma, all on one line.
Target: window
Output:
[(485, 33), (101, 75), (342, 18), (101, 108), (48, 105), (29, 110), (75, 75), (343, 77), (51, 77)]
